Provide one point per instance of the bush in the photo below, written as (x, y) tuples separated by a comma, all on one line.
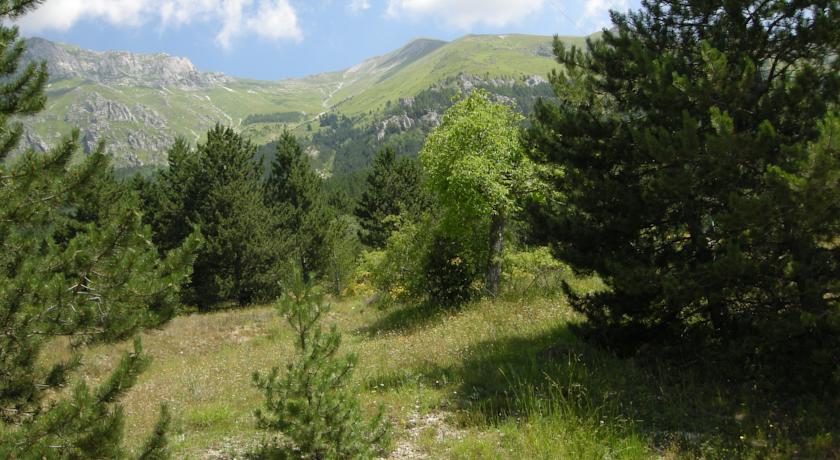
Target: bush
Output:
[(448, 273), (533, 272), (397, 271)]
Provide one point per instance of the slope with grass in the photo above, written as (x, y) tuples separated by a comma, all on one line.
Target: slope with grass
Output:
[(488, 56), (502, 379)]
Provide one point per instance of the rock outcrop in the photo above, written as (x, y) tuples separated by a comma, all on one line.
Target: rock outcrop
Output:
[(119, 68)]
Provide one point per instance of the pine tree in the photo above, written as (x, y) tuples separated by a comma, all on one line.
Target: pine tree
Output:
[(240, 251), (76, 262), (218, 187), (172, 196), (309, 405), (682, 147), (294, 192), (394, 189)]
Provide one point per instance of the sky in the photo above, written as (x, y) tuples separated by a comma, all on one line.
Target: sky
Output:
[(276, 39)]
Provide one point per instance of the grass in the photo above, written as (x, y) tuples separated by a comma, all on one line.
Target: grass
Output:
[(503, 379)]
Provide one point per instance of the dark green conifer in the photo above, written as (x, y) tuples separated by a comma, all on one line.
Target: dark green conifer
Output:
[(218, 187), (687, 176), (294, 192), (393, 190)]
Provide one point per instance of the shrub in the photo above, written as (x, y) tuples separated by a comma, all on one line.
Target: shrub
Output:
[(533, 272), (448, 272), (309, 406)]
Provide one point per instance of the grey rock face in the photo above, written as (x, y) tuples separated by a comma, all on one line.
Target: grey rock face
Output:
[(97, 111), (31, 140), (119, 68), (398, 122)]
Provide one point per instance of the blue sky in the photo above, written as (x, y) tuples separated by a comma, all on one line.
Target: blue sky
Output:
[(274, 39)]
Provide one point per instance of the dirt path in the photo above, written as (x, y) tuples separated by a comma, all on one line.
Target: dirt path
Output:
[(407, 447)]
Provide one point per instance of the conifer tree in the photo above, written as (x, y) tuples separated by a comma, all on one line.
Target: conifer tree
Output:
[(76, 262), (172, 196), (309, 405), (394, 188), (240, 251), (294, 192), (682, 145)]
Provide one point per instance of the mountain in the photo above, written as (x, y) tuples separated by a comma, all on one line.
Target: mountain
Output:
[(138, 103)]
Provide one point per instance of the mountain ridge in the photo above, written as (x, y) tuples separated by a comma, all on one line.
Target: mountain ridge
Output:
[(138, 103)]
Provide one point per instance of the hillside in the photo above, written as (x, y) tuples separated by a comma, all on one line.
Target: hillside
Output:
[(502, 379), (475, 55), (138, 103)]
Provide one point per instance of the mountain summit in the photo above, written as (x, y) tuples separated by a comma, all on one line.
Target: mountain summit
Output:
[(119, 67)]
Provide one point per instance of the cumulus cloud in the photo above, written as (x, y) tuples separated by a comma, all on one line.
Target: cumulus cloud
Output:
[(269, 19), (467, 13), (356, 6), (595, 12)]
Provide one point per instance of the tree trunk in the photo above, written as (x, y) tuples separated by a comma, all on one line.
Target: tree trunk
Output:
[(494, 262), (703, 256), (336, 273)]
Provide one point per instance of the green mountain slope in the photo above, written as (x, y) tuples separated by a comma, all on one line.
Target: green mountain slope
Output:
[(479, 55)]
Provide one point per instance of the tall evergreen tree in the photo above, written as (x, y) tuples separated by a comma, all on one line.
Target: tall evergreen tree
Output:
[(394, 188), (682, 147), (240, 250), (294, 191), (172, 195), (76, 262)]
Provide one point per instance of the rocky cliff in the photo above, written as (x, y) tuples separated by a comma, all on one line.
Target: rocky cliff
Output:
[(119, 67)]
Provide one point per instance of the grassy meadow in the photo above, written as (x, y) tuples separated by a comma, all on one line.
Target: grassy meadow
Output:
[(495, 379)]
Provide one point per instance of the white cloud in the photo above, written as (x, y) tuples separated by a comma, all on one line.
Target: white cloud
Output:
[(269, 19), (596, 12), (356, 6), (467, 13)]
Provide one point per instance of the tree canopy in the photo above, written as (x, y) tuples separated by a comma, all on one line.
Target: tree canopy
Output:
[(477, 168)]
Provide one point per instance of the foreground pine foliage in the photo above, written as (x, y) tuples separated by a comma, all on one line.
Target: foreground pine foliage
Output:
[(692, 157), (76, 263)]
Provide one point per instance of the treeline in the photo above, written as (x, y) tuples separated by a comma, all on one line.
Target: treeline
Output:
[(254, 225)]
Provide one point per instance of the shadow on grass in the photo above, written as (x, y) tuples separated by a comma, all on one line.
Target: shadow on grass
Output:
[(559, 375), (406, 319)]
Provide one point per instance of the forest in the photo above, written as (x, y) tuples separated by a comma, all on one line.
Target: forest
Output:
[(637, 258)]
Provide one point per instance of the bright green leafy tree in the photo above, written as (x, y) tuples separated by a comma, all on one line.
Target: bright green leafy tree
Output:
[(76, 263), (683, 144), (477, 169)]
